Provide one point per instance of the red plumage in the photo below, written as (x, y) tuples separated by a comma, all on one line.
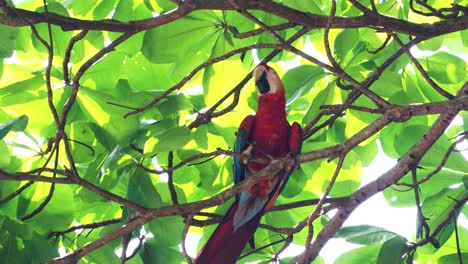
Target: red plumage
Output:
[(268, 133)]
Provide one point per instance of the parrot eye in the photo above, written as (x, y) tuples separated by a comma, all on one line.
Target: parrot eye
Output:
[(262, 84)]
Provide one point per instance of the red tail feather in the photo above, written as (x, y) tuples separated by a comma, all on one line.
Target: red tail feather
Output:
[(224, 246)]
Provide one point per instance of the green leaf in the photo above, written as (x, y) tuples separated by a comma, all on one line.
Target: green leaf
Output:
[(17, 124), (432, 44), (217, 76), (142, 191), (7, 45), (30, 84), (437, 208), (177, 40), (154, 253), (445, 68), (159, 74), (208, 170), (300, 80), (392, 251), (160, 6), (105, 73), (55, 215), (169, 140), (5, 158), (83, 140), (464, 37), (296, 183), (41, 249), (96, 106), (362, 255), (80, 8), (103, 9), (321, 97), (109, 163), (304, 6), (18, 229), (164, 229), (388, 84), (365, 234), (60, 37), (453, 258), (408, 137), (345, 42)]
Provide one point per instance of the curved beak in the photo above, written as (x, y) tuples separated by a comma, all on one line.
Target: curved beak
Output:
[(261, 81)]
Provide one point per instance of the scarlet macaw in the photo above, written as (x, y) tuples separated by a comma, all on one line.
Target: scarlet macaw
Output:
[(267, 133)]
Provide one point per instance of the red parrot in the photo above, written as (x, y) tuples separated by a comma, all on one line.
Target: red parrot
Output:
[(267, 133)]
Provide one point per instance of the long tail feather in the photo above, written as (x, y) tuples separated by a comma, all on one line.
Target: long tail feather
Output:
[(224, 246)]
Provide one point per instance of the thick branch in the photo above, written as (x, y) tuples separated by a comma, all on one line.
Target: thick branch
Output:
[(300, 18), (404, 165)]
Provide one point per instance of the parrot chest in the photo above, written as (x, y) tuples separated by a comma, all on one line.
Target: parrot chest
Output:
[(271, 139)]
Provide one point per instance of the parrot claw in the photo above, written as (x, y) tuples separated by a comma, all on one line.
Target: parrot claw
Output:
[(246, 155), (293, 156)]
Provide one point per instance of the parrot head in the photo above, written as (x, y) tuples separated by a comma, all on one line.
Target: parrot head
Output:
[(267, 80)]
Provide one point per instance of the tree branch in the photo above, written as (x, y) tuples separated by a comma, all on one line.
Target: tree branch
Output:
[(409, 160), (308, 20)]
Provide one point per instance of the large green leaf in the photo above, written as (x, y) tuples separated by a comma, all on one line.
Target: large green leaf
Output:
[(169, 140), (392, 251), (453, 258), (142, 191), (154, 253), (365, 234), (5, 158), (344, 42), (299, 80), (445, 67), (362, 255), (80, 8), (105, 73), (55, 215), (296, 183), (60, 38), (17, 124), (110, 117), (176, 41), (220, 78), (103, 9), (166, 228), (437, 208), (304, 6), (7, 45)]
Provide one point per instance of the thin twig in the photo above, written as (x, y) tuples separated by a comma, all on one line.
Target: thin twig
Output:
[(362, 88), (87, 226), (49, 195), (441, 164), (421, 219), (200, 67), (68, 51), (188, 222), (384, 44), (16, 193), (318, 208), (170, 181), (141, 239), (420, 68), (205, 117)]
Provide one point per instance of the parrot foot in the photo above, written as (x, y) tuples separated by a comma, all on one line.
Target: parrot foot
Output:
[(246, 155), (293, 156)]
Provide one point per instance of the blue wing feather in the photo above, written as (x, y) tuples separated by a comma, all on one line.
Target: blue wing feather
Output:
[(243, 137)]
